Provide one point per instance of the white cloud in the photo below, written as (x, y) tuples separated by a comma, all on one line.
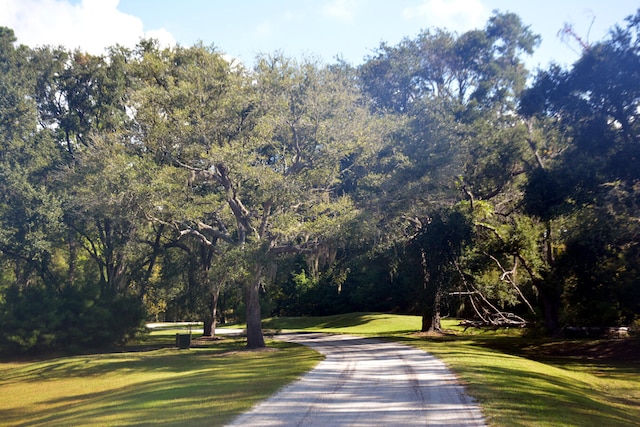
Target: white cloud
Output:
[(91, 25), (342, 10), (162, 35), (455, 15)]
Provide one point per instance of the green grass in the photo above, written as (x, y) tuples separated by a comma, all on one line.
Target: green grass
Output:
[(352, 323), (517, 391), (162, 386), (517, 380), (507, 373)]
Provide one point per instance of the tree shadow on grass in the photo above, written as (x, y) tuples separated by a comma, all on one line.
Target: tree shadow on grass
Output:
[(165, 387), (551, 399), (524, 390)]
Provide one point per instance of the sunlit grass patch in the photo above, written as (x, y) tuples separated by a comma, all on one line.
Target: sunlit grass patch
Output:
[(516, 391), (516, 383), (200, 386), (351, 323)]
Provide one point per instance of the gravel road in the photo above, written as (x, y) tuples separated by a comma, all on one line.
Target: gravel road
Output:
[(367, 382)]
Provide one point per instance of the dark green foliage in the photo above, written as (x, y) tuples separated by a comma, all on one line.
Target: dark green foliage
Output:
[(440, 245), (51, 295), (480, 69), (591, 188), (545, 193), (29, 318), (174, 178), (38, 319)]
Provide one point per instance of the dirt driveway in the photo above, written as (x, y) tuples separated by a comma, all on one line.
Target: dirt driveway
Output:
[(367, 382)]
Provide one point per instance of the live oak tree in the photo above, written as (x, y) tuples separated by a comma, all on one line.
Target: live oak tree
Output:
[(458, 93), (172, 175), (263, 152), (27, 158), (30, 213), (41, 152), (589, 190)]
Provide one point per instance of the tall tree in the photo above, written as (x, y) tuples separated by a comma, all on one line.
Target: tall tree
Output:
[(458, 93), (30, 213), (39, 155), (591, 186), (265, 151)]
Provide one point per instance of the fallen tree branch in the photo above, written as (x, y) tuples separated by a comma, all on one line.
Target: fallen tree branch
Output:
[(497, 319), (508, 275)]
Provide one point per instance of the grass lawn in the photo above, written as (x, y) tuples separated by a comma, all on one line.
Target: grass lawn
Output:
[(375, 324), (159, 385), (517, 391), (518, 381)]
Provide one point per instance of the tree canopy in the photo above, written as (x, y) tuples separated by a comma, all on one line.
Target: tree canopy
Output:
[(438, 177)]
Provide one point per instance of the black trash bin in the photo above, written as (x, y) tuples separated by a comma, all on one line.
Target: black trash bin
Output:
[(183, 341)]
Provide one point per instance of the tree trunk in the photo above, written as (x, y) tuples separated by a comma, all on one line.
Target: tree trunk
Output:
[(255, 339), (211, 318), (431, 315), (214, 310), (432, 296), (550, 299), (209, 330), (73, 258), (549, 293)]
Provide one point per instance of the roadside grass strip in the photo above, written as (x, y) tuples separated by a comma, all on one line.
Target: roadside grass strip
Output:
[(516, 391), (205, 386), (515, 379), (513, 390), (366, 324)]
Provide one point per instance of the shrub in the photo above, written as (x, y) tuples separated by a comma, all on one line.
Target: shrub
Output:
[(39, 319)]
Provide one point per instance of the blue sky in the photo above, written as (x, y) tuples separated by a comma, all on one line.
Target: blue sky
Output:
[(351, 29)]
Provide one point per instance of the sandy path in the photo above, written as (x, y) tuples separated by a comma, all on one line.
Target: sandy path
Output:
[(367, 382)]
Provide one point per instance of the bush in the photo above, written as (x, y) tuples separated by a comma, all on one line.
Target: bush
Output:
[(38, 319)]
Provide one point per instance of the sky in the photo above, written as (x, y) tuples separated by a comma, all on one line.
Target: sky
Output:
[(324, 29)]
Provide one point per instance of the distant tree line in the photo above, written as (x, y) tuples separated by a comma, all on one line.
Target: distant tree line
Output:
[(436, 178)]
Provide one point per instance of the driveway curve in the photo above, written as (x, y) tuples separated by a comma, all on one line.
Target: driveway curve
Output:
[(367, 382)]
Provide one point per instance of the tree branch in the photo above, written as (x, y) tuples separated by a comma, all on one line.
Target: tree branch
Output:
[(216, 233), (508, 276)]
